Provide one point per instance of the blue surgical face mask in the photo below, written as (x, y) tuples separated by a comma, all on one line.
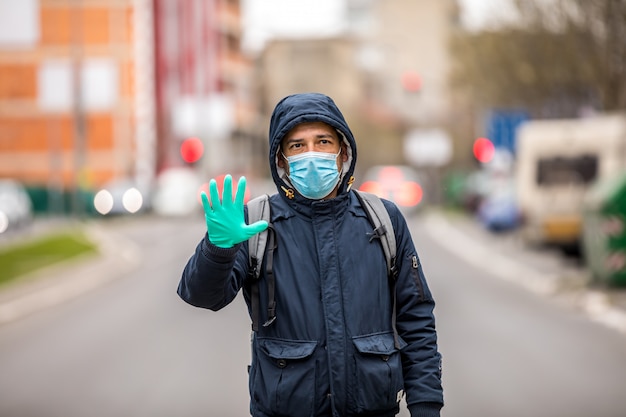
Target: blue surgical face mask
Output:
[(314, 174)]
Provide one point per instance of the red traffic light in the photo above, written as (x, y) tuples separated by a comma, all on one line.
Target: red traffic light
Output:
[(483, 150), (191, 150)]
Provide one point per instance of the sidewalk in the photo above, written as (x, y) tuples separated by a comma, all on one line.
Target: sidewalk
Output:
[(544, 271), (61, 282)]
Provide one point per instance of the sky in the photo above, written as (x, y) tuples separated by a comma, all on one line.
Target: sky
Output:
[(266, 19)]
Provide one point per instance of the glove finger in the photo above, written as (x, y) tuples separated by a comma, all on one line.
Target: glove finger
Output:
[(205, 203), (241, 192), (227, 191), (215, 197), (255, 228)]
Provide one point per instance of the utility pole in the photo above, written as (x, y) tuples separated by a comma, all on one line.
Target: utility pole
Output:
[(79, 122)]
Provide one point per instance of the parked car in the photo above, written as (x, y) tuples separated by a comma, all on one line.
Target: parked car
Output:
[(122, 197), (16, 208), (498, 211), (476, 188), (398, 183)]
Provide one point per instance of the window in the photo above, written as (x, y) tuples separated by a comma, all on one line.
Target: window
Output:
[(99, 84), (581, 169), (19, 23)]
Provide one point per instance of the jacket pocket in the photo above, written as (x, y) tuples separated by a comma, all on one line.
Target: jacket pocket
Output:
[(285, 377), (378, 381)]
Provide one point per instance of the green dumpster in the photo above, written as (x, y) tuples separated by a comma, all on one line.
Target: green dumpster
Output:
[(604, 231)]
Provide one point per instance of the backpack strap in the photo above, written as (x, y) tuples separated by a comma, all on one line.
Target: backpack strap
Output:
[(384, 232), (259, 209), (379, 218)]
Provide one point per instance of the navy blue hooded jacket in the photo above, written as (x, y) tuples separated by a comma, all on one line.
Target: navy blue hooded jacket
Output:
[(330, 351)]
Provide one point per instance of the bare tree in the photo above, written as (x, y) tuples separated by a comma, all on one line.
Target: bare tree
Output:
[(558, 58)]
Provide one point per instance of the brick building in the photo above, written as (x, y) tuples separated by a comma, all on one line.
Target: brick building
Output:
[(90, 89)]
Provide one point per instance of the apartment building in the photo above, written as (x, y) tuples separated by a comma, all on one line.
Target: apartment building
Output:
[(404, 49), (93, 91), (75, 91)]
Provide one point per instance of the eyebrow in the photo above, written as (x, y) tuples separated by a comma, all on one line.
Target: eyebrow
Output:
[(319, 136)]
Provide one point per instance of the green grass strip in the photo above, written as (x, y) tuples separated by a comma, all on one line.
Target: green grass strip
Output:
[(23, 258)]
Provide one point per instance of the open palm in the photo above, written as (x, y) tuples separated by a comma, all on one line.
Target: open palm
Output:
[(224, 217)]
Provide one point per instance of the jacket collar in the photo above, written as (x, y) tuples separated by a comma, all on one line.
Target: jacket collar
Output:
[(284, 207)]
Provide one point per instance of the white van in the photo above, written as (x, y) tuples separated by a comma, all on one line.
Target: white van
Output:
[(557, 161)]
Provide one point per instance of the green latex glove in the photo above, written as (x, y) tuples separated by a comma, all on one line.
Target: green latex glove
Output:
[(225, 221)]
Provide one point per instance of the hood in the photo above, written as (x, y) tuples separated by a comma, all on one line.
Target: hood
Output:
[(308, 107)]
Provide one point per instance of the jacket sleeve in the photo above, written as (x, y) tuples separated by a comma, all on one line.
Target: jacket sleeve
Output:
[(213, 276), (421, 360)]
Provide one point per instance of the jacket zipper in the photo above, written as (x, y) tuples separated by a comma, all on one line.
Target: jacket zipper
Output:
[(416, 276)]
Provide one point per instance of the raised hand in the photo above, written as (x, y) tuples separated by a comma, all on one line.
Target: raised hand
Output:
[(224, 217)]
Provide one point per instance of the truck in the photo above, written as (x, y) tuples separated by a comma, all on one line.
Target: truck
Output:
[(557, 162)]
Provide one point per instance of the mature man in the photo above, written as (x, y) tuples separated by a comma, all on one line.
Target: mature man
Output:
[(340, 339)]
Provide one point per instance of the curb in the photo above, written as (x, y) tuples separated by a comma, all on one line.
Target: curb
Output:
[(594, 304)]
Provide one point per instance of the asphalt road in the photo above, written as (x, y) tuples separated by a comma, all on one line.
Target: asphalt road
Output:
[(131, 347)]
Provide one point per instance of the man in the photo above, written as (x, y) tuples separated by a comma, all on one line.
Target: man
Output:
[(329, 350)]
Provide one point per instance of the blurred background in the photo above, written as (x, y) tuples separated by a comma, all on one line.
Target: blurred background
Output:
[(143, 101), (507, 118)]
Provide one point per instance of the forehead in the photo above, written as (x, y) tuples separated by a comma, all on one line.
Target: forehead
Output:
[(310, 128)]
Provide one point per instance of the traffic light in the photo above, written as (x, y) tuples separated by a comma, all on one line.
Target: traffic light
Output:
[(483, 150), (191, 150)]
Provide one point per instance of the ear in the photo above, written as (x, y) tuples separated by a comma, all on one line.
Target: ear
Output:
[(344, 152), (282, 163)]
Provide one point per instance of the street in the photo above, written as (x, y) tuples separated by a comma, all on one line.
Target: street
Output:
[(131, 347)]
